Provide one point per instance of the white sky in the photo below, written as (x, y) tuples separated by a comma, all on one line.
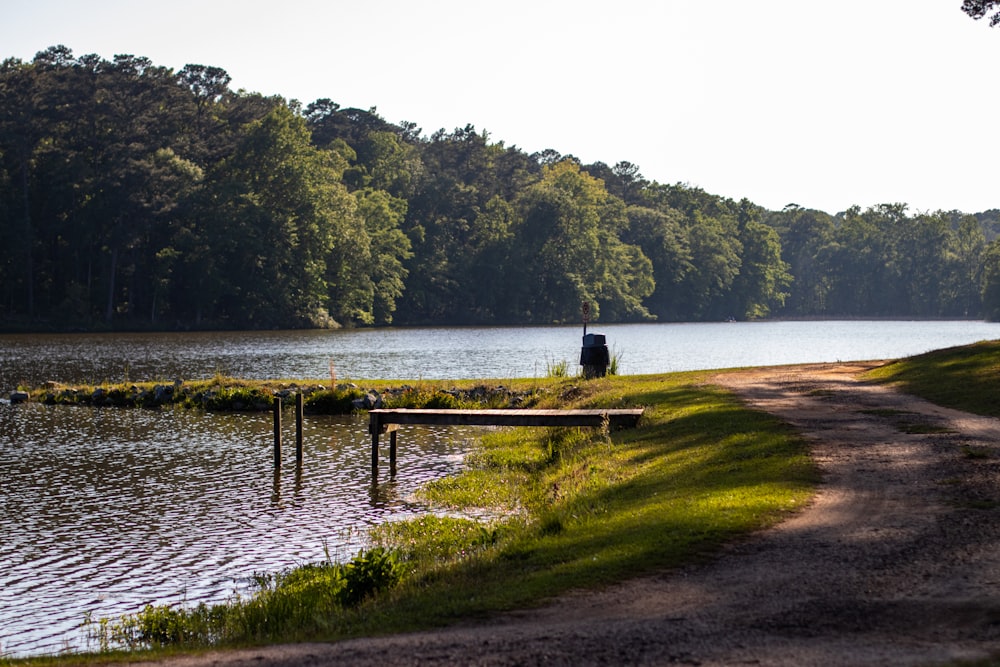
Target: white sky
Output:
[(823, 104)]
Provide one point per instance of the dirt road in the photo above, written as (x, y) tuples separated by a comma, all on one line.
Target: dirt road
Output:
[(897, 561)]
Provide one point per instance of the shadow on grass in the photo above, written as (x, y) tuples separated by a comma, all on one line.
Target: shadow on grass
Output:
[(699, 471), (965, 378)]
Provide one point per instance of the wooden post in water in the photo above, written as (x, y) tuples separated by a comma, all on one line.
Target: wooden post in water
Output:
[(277, 432), (298, 428), (376, 428), (392, 452)]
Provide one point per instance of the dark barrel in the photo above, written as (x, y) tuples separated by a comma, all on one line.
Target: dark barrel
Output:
[(594, 356)]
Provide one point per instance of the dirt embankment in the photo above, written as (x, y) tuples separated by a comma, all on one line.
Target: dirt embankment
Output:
[(897, 561)]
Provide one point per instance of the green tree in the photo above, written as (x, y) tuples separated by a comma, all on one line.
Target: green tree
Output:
[(977, 9), (663, 239), (803, 232), (856, 262), (623, 180), (991, 282), (922, 262), (205, 133), (715, 261), (20, 135), (969, 252), (383, 215), (570, 251), (763, 276), (283, 212), (390, 164), (492, 293), (462, 172)]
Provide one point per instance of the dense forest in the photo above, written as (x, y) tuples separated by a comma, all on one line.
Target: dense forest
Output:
[(135, 196)]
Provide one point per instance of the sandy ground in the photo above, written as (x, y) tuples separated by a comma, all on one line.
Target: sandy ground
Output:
[(896, 562)]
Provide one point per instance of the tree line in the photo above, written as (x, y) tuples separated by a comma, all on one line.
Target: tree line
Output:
[(136, 196)]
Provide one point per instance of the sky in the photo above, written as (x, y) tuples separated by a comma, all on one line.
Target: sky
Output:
[(821, 104)]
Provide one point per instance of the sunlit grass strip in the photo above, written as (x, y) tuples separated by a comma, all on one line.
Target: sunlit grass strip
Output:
[(591, 509), (965, 378)]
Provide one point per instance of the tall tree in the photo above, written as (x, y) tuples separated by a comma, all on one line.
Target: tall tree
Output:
[(715, 259), (383, 216), (803, 232), (283, 213), (760, 284), (977, 9), (571, 253), (991, 282), (662, 237), (462, 171), (20, 133), (969, 252)]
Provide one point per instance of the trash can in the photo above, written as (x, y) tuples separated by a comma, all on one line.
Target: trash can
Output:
[(594, 356)]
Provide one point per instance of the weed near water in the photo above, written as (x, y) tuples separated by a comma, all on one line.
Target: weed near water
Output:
[(285, 605)]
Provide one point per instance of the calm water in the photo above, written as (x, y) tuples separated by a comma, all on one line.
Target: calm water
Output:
[(104, 511), (445, 353)]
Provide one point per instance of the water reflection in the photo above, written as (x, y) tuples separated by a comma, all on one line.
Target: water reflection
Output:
[(382, 494), (106, 510), (296, 489), (276, 492)]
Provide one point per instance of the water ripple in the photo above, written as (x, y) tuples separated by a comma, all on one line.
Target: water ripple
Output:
[(106, 511)]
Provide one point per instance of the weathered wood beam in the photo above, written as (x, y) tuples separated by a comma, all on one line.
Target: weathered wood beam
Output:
[(388, 420)]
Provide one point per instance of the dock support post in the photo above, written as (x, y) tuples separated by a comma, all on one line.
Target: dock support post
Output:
[(277, 432), (375, 427), (299, 410), (392, 452)]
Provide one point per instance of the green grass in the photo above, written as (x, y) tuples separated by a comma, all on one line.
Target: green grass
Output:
[(965, 378), (582, 509), (557, 369), (221, 394), (282, 605), (566, 509)]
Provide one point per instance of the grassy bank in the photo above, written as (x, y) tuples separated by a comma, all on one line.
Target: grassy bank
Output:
[(964, 378), (566, 509), (227, 394), (586, 509)]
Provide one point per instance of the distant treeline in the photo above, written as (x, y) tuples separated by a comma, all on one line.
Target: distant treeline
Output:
[(136, 196)]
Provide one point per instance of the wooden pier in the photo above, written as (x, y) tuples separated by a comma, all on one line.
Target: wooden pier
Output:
[(388, 421)]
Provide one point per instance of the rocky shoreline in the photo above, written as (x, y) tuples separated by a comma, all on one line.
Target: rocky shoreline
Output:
[(344, 398)]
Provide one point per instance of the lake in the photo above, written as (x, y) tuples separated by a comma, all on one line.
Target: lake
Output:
[(466, 352), (106, 510)]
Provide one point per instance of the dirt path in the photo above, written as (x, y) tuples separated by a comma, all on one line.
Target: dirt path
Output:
[(897, 561)]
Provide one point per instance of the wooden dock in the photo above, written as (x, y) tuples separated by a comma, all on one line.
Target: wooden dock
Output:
[(388, 421)]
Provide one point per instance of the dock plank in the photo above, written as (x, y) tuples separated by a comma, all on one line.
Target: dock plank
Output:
[(388, 419)]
